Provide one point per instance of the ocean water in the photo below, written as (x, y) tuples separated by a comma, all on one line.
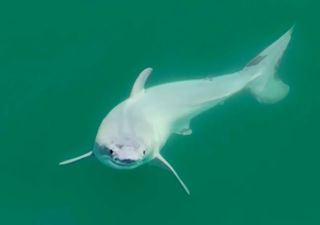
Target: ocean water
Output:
[(65, 64)]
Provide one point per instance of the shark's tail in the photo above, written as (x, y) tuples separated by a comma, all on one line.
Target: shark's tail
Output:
[(266, 86)]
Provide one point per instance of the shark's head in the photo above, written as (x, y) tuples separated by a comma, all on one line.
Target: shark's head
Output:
[(121, 155)]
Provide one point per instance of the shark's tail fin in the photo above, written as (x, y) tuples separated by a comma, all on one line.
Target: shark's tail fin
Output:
[(266, 86)]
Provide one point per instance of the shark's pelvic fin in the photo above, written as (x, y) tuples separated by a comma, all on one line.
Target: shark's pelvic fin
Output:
[(182, 127), (138, 85), (69, 161), (167, 165), (185, 131)]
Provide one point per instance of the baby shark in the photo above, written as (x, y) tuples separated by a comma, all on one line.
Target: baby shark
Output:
[(134, 132)]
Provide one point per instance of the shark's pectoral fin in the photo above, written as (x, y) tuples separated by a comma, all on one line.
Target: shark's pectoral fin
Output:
[(138, 85), (69, 161), (165, 163)]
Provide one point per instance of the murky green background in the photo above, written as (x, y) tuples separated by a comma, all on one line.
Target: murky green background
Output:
[(65, 64)]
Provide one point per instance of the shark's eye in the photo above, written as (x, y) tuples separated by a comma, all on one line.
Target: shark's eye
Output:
[(144, 152), (111, 151)]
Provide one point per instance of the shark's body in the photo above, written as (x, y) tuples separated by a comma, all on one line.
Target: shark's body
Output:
[(135, 131)]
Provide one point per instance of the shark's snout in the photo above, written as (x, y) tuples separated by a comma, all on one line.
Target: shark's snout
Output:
[(121, 157), (126, 157)]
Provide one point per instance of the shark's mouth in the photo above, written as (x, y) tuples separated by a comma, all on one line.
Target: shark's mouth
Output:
[(124, 163)]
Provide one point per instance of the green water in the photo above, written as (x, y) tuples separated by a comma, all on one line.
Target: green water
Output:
[(65, 64)]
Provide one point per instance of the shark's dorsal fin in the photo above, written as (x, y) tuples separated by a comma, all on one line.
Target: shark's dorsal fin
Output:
[(76, 158), (167, 165), (138, 85)]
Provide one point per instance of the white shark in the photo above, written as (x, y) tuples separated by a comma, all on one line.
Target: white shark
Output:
[(135, 131)]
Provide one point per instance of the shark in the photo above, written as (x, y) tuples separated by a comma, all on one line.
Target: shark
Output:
[(135, 131)]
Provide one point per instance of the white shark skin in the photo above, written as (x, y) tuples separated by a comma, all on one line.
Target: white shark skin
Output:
[(134, 131)]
